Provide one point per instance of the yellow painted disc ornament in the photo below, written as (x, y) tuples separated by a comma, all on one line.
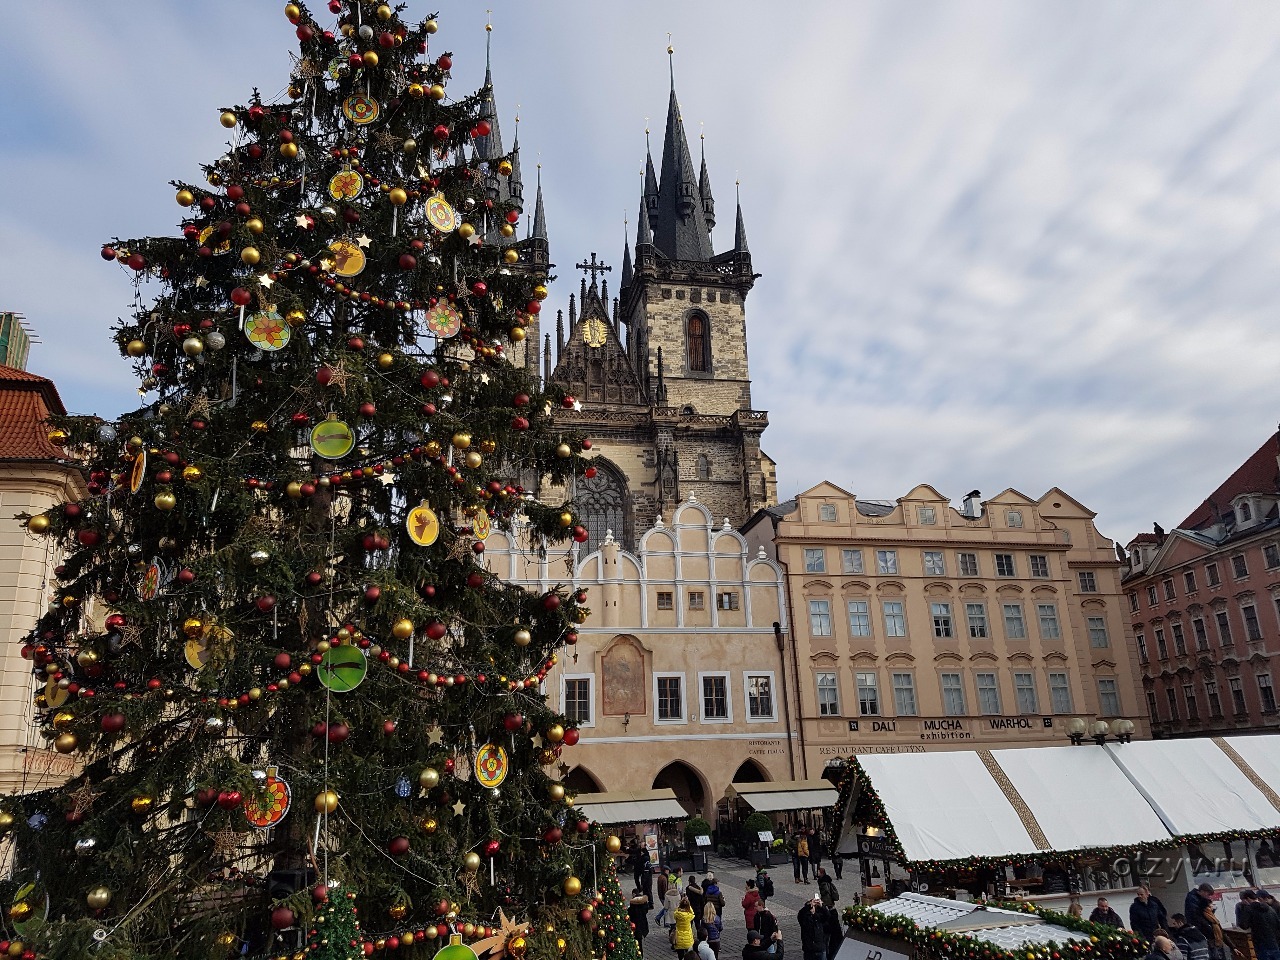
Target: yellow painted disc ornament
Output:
[(332, 439), (54, 695), (360, 109), (198, 650), (440, 213), (346, 184), (348, 258), (139, 472), (480, 526), (268, 331), (444, 321), (422, 525), (206, 233), (491, 765)]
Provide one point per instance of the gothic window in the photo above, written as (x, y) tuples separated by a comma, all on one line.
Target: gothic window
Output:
[(600, 503), (699, 343), (595, 380), (704, 467)]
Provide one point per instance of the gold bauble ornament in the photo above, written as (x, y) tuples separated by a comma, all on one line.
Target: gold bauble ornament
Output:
[(510, 256), (504, 167), (38, 524), (86, 658), (572, 886), (561, 944), (488, 445), (293, 490), (409, 145), (326, 801), (564, 451), (16, 948), (288, 150), (259, 426), (507, 230), (292, 11), (193, 626), (397, 911), (402, 629), (63, 719), (385, 361), (566, 519), (142, 805), (540, 292), (135, 348), (165, 500), (517, 947), (522, 637), (466, 231), (6, 821), (471, 862), (555, 791), (58, 437), (546, 756), (555, 733), (429, 825), (185, 198), (191, 473), (19, 911), (417, 90), (253, 225), (397, 196), (295, 317), (429, 778), (383, 12), (227, 119), (250, 256), (370, 58), (193, 346), (99, 898), (612, 844), (473, 459), (436, 91), (517, 334), (430, 27), (461, 440), (65, 743), (294, 91), (432, 448), (226, 939)]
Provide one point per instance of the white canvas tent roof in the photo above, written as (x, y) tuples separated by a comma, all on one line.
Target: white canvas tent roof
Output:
[(630, 806), (1003, 928), (786, 795)]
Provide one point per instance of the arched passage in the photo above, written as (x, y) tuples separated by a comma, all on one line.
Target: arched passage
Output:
[(582, 780), (686, 783), (751, 772)]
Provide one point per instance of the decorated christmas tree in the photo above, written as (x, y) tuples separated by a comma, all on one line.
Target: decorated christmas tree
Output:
[(306, 721)]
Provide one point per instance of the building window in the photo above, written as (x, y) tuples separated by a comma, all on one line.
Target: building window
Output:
[(704, 470), (904, 694), (1060, 692), (941, 613), (1189, 695), (1211, 574), (1015, 628), (699, 343), (1239, 568), (868, 695), (1224, 627), (576, 699), (968, 564), (859, 618), (1088, 582), (1014, 518), (1133, 602), (1108, 697), (820, 618), (1212, 699), (927, 516), (1246, 514), (988, 693), (886, 561), (953, 695), (715, 697), (895, 619), (601, 501), (828, 695), (666, 600), (1098, 632), (697, 600), (1048, 615), (827, 512), (1005, 566), (851, 561), (670, 698), (1167, 583), (1143, 656), (976, 614), (727, 600), (1236, 687), (1153, 598), (815, 560), (1266, 694), (1200, 633), (1252, 630), (1172, 696), (1162, 648), (1179, 639), (1153, 705), (1039, 565), (933, 564), (760, 696), (1024, 688), (1271, 556), (1189, 581)]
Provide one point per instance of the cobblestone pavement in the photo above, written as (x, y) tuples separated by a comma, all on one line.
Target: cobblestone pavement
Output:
[(788, 898)]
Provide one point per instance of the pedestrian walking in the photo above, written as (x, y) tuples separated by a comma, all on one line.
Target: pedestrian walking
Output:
[(826, 888), (764, 883), (793, 847), (712, 925), (638, 914), (693, 890), (750, 902), (683, 940), (759, 949), (802, 855), (711, 893), (835, 935), (816, 851), (1188, 938), (765, 921), (703, 950), (1104, 915), (837, 861), (1199, 911), (1263, 924), (1146, 914), (664, 887), (813, 930)]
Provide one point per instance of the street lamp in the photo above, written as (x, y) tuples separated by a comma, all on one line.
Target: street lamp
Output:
[(1121, 730)]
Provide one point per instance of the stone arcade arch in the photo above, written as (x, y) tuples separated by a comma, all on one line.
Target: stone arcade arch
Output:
[(687, 784), (582, 780)]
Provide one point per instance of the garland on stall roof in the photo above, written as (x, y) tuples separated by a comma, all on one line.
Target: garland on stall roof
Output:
[(868, 807), (1104, 943)]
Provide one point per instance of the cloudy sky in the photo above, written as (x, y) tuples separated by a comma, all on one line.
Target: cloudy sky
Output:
[(1004, 244)]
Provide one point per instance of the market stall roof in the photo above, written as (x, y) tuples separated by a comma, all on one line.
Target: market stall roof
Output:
[(786, 795), (631, 806), (1197, 787), (1007, 929)]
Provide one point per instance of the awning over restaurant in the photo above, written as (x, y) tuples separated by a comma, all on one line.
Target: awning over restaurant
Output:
[(785, 795), (630, 806)]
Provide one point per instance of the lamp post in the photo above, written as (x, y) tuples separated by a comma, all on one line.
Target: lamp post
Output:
[(1120, 731)]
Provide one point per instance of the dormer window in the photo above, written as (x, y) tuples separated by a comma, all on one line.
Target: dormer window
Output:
[(1015, 518), (1245, 513)]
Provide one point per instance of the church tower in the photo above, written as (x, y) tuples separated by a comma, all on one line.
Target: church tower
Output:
[(662, 372)]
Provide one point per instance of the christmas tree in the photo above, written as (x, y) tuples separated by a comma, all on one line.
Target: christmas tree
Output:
[(307, 722)]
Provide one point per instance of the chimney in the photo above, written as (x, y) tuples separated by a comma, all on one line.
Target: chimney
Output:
[(972, 508)]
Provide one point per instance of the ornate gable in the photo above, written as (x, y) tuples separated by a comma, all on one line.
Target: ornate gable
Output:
[(594, 365)]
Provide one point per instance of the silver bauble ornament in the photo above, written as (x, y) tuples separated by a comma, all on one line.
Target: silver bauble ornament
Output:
[(259, 557), (106, 433), (328, 214), (365, 31), (86, 846), (215, 341)]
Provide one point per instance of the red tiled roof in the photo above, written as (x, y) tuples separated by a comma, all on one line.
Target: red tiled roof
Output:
[(26, 400), (1258, 474), (1145, 538)]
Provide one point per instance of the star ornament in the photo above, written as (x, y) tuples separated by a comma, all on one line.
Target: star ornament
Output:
[(264, 279), (82, 799), (497, 944), (364, 241), (225, 843), (459, 808)]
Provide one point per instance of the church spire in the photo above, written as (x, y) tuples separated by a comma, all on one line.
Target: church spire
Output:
[(488, 147), (644, 235), (649, 198), (539, 215), (515, 182), (681, 228), (704, 189), (627, 269), (740, 233)]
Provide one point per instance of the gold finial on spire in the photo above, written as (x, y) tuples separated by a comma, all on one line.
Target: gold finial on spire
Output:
[(488, 21), (670, 49)]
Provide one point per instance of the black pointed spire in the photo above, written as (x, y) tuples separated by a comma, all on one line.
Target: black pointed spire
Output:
[(627, 270), (644, 235), (704, 190), (515, 183), (539, 215), (546, 360), (488, 146), (740, 233), (681, 228), (560, 327), (649, 198)]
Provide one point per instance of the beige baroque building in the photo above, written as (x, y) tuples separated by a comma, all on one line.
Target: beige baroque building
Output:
[(33, 478), (922, 627), (678, 678)]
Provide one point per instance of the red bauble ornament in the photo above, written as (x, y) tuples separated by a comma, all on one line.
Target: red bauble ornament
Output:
[(112, 722), (552, 835), (519, 423), (116, 621), (586, 444), (137, 262), (89, 537), (108, 253), (408, 261), (389, 728), (444, 62), (479, 288), (265, 603), (521, 400), (482, 128), (512, 722), (441, 132), (475, 580), (551, 601), (324, 376), (513, 216), (583, 826), (436, 630), (186, 576), (585, 915), (430, 379), (398, 846), (568, 402), (372, 593), (241, 297), (235, 191), (355, 343), (580, 535), (571, 736), (230, 799), (338, 732), (492, 848), (283, 661), (368, 409), (282, 918), (589, 472), (305, 32)]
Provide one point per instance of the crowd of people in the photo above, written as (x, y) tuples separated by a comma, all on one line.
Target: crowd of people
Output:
[(1196, 933), (692, 910)]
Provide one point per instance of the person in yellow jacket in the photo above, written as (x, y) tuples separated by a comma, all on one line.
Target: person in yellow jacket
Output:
[(802, 852), (684, 938)]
